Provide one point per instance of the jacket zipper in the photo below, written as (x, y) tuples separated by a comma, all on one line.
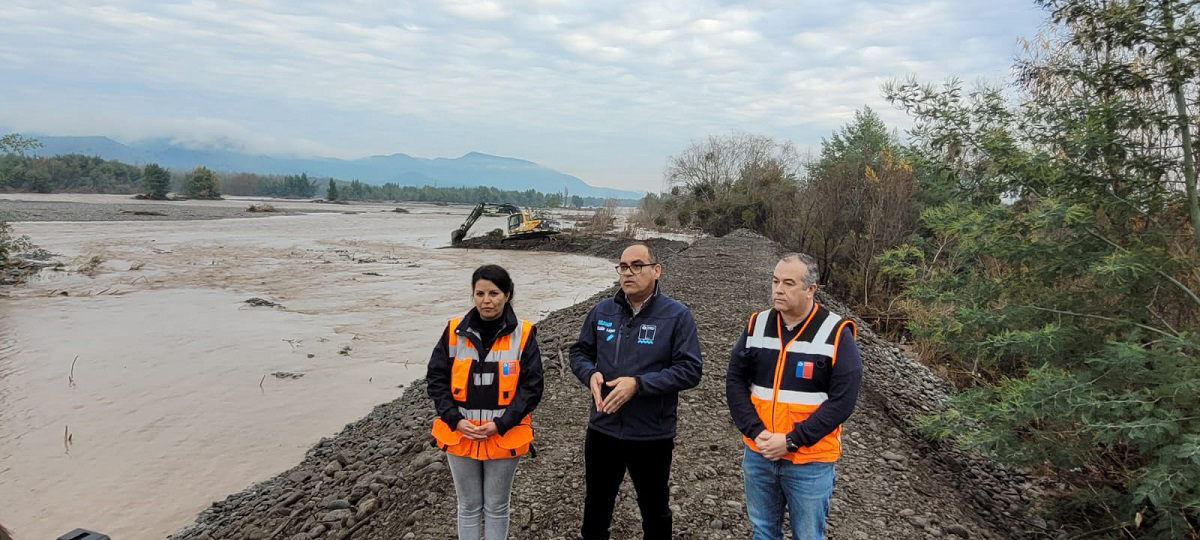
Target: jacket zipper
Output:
[(617, 355), (471, 372)]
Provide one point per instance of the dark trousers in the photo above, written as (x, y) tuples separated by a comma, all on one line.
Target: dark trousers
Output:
[(649, 464)]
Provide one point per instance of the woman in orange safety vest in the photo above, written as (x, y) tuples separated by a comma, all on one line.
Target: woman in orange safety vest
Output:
[(485, 378)]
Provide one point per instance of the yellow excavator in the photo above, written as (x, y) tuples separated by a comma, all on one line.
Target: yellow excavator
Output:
[(521, 226)]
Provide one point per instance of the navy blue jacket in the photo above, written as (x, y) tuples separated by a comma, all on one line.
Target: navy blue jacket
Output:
[(658, 347)]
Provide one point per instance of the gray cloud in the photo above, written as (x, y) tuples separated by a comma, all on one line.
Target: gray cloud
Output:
[(605, 91)]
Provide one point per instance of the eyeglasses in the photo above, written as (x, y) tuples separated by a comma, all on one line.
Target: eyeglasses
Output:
[(634, 268)]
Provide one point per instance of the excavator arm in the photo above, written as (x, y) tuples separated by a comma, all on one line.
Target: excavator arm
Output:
[(457, 235)]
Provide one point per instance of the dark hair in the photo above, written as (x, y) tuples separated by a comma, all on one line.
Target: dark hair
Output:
[(649, 251), (495, 274)]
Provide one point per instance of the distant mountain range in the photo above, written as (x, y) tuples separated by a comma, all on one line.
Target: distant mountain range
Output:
[(472, 169)]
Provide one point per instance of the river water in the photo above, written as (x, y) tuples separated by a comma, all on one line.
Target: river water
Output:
[(132, 398)]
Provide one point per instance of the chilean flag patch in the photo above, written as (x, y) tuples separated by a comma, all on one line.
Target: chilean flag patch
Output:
[(804, 370)]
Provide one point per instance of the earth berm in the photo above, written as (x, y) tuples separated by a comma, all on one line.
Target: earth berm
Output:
[(380, 478)]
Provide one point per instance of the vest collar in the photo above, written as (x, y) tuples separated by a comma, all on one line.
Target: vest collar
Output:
[(470, 322), (776, 315), (775, 320)]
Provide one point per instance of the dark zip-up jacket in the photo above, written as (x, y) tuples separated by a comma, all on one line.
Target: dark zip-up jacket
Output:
[(530, 382), (658, 347)]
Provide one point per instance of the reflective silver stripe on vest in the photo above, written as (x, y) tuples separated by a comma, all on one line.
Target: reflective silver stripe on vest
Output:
[(463, 349), (756, 339), (818, 345), (789, 396), (481, 415), (826, 329)]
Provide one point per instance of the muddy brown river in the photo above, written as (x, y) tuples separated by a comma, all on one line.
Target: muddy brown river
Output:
[(132, 398)]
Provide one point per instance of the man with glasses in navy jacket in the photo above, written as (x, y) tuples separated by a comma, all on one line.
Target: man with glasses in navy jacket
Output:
[(637, 350)]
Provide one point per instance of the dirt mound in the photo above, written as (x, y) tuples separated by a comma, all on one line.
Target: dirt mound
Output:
[(597, 246), (381, 479)]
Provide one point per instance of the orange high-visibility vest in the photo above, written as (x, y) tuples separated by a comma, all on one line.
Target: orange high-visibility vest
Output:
[(506, 352), (795, 391)]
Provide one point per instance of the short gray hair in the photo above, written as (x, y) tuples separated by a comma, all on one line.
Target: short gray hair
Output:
[(813, 274)]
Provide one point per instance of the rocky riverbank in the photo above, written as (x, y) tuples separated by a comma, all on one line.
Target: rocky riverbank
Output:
[(380, 479)]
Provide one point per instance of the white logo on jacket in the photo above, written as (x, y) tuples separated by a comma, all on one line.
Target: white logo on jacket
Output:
[(646, 334)]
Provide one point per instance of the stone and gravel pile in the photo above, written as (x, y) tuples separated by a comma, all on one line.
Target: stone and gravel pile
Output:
[(381, 479)]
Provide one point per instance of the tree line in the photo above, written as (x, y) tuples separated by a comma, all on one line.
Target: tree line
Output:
[(68, 173), (75, 173), (1038, 240), (247, 184)]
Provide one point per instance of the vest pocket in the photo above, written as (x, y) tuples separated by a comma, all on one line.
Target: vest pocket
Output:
[(515, 442), (826, 450), (520, 435), (460, 370), (763, 408), (444, 434), (509, 371)]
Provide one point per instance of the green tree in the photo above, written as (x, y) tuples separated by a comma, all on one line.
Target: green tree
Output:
[(37, 179), (356, 191), (156, 181), (862, 140), (67, 173), (11, 245), (299, 186), (732, 181), (331, 193), (202, 183), (858, 200), (14, 143), (1060, 275), (576, 201)]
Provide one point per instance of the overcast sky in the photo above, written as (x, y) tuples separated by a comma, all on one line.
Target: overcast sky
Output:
[(599, 89)]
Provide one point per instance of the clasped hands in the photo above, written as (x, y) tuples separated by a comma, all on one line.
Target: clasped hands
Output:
[(474, 432), (623, 388), (771, 445)]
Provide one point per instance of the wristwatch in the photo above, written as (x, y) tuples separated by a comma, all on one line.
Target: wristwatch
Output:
[(791, 445)]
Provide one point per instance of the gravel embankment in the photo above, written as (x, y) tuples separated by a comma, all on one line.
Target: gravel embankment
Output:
[(380, 479)]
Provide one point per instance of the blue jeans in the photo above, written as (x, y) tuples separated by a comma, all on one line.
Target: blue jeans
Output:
[(804, 489)]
